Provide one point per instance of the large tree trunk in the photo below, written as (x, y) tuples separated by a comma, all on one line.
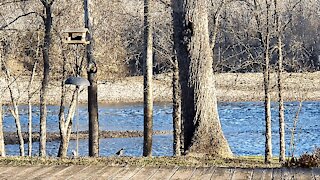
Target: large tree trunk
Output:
[(45, 80), (147, 69), (280, 86), (202, 129), (92, 89)]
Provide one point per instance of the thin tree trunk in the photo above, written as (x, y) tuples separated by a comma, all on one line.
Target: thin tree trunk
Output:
[(29, 128), (281, 109), (216, 23), (92, 89), (2, 146), (15, 113), (267, 104), (45, 80), (147, 66), (280, 87), (65, 125), (30, 110), (293, 130), (202, 129), (267, 100), (77, 121), (63, 148), (14, 110), (176, 101)]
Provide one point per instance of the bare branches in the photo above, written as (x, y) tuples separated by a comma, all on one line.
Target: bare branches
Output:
[(44, 2), (13, 1), (16, 19), (47, 3)]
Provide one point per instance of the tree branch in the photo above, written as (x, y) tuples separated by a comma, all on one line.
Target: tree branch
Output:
[(16, 19), (44, 2), (13, 1), (52, 1)]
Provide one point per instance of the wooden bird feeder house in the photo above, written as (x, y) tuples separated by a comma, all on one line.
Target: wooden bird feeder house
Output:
[(76, 36)]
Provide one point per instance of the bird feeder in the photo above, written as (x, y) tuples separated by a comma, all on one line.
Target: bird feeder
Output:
[(78, 81), (76, 36)]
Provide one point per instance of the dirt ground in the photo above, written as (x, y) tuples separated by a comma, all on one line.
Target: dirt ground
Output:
[(230, 88)]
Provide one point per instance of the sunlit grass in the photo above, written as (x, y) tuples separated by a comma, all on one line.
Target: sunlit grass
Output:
[(239, 161)]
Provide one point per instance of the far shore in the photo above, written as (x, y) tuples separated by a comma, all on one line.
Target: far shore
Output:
[(11, 137), (231, 87)]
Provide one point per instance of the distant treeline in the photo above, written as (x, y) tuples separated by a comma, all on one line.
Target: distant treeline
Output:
[(238, 45)]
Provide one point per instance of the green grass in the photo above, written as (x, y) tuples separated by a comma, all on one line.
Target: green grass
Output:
[(241, 161)]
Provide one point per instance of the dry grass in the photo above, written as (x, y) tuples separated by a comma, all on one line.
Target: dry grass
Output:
[(243, 162), (230, 88), (249, 87)]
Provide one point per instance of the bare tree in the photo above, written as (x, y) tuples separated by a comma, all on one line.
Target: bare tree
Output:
[(280, 85), (14, 109), (2, 146), (216, 21), (202, 129), (266, 80), (30, 95), (47, 18), (148, 97), (65, 122), (294, 128)]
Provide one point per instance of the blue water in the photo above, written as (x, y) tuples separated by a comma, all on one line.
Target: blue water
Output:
[(242, 123)]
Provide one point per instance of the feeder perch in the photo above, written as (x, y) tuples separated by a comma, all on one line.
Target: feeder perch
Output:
[(76, 36)]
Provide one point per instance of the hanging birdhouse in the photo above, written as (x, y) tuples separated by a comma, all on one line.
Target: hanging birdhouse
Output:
[(76, 36)]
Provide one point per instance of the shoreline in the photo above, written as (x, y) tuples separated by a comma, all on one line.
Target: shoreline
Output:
[(11, 137), (246, 87)]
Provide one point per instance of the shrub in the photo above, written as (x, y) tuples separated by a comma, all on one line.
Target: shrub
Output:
[(306, 160)]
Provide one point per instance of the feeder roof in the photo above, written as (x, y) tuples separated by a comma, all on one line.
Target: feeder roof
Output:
[(78, 81), (76, 30)]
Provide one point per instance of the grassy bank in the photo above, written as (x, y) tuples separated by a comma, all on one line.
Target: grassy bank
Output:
[(243, 162)]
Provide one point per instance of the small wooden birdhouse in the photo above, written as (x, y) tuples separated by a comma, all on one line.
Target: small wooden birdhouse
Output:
[(76, 36)]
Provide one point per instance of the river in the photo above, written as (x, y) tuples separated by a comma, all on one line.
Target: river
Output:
[(242, 123)]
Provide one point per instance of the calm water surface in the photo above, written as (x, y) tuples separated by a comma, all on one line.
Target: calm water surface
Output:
[(242, 123)]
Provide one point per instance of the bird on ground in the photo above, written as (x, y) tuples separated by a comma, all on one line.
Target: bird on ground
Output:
[(120, 152), (74, 154)]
